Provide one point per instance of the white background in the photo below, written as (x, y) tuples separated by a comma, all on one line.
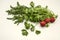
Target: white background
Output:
[(10, 31)]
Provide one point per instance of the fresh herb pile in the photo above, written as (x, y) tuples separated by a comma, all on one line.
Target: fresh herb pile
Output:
[(35, 14)]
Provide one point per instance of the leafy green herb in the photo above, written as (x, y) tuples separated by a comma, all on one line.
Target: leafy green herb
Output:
[(24, 32), (56, 16), (32, 28), (32, 4), (33, 14), (27, 25), (47, 25), (18, 4), (37, 32)]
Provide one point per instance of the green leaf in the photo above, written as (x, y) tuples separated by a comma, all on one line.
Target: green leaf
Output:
[(20, 19), (9, 18), (27, 25), (26, 17), (11, 7), (46, 7), (37, 32), (18, 4), (56, 16), (24, 32), (32, 4), (16, 22), (32, 28), (47, 25)]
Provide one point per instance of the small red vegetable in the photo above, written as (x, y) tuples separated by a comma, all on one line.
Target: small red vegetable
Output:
[(42, 23), (47, 20), (52, 19)]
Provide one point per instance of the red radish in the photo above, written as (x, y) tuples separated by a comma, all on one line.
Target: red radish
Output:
[(42, 23), (47, 20), (52, 19)]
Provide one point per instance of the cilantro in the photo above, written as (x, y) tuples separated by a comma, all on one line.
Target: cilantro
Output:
[(32, 28), (27, 25), (37, 32), (24, 32)]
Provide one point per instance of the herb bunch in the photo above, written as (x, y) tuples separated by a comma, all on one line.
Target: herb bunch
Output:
[(33, 13)]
